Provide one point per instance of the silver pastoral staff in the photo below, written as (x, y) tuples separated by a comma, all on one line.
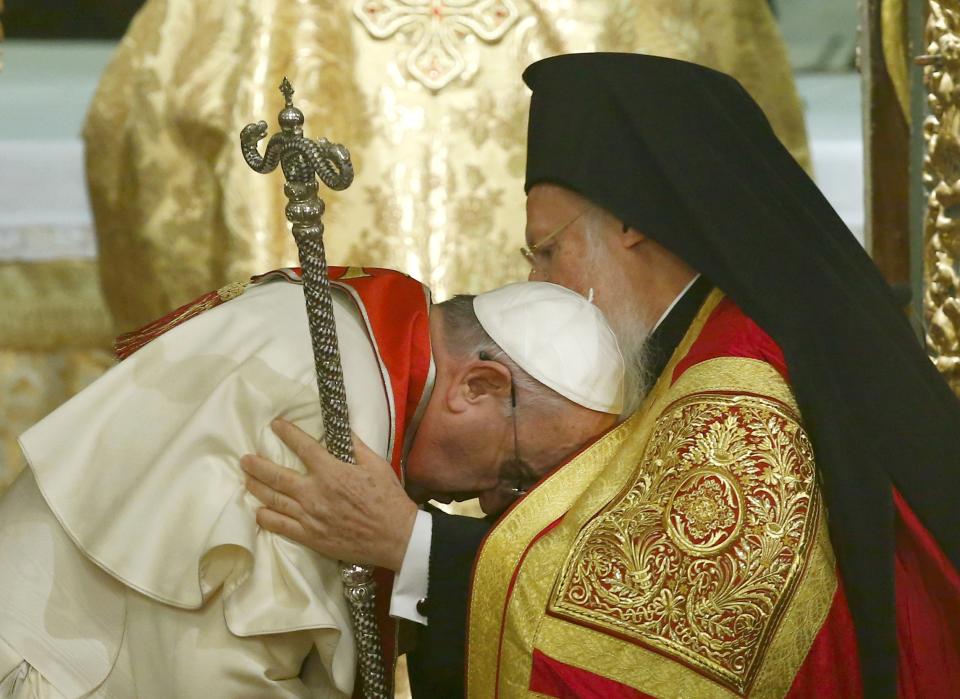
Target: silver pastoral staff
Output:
[(300, 159)]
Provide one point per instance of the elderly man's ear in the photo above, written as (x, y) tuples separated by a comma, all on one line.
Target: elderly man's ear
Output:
[(480, 380)]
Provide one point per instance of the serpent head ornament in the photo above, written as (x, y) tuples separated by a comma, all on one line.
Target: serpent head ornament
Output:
[(299, 157)]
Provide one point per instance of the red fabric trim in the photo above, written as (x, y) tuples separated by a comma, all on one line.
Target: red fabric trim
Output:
[(928, 611), (831, 669), (730, 333), (396, 307), (556, 679)]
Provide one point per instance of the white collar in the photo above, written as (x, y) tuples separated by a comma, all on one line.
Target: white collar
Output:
[(674, 303)]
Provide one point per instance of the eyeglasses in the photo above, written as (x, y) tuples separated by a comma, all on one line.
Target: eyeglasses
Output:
[(517, 488), (529, 253), (517, 485)]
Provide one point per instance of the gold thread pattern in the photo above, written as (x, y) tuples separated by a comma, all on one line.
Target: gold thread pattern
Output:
[(232, 290), (499, 559), (354, 273), (700, 556), (705, 512)]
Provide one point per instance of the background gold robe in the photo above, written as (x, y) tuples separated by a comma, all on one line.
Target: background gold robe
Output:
[(427, 96)]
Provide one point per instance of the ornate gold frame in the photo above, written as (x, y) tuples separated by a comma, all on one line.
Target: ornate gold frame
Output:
[(941, 180)]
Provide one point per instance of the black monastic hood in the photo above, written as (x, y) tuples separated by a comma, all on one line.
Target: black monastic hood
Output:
[(685, 155)]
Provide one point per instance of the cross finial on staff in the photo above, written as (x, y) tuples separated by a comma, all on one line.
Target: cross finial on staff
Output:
[(287, 89)]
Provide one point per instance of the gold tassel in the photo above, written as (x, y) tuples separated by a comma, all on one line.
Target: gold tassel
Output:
[(130, 342)]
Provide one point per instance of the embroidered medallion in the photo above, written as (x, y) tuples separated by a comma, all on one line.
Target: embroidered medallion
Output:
[(438, 30), (700, 557), (705, 512)]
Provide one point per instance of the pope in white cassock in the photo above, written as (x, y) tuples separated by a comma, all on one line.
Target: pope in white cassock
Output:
[(131, 562)]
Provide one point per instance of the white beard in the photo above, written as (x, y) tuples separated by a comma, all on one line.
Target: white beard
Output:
[(632, 335), (626, 316)]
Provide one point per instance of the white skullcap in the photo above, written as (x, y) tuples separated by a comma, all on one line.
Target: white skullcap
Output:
[(559, 338)]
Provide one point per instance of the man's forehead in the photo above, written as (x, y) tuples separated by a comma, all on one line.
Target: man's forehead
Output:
[(552, 195), (549, 204)]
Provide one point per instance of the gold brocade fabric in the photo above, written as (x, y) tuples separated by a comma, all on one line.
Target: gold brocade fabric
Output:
[(54, 340), (699, 558), (691, 557), (427, 95)]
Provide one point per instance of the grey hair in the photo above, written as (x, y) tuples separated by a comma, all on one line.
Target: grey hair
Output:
[(466, 339)]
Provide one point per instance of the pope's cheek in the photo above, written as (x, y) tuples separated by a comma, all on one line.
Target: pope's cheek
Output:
[(419, 476)]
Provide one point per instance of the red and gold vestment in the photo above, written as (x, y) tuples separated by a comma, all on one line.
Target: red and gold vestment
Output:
[(686, 553)]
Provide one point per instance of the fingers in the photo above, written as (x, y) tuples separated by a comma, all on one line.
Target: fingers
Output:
[(282, 525), (311, 453), (360, 449), (275, 500), (368, 458), (284, 480)]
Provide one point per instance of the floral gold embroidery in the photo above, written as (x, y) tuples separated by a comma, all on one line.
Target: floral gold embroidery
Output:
[(700, 556), (705, 512)]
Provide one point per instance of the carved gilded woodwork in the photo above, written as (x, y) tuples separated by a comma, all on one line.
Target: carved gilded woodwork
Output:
[(941, 178), (893, 27), (701, 555)]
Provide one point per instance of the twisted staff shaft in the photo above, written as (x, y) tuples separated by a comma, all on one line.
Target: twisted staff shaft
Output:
[(326, 351), (359, 587), (301, 161)]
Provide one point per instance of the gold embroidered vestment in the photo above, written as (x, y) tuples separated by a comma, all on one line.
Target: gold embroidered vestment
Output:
[(685, 553)]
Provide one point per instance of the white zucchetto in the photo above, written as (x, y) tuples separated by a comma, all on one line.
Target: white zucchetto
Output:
[(559, 338)]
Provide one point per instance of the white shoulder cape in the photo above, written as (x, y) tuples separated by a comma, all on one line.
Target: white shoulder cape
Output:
[(141, 470)]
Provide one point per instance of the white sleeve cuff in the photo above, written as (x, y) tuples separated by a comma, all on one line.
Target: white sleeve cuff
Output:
[(410, 584)]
